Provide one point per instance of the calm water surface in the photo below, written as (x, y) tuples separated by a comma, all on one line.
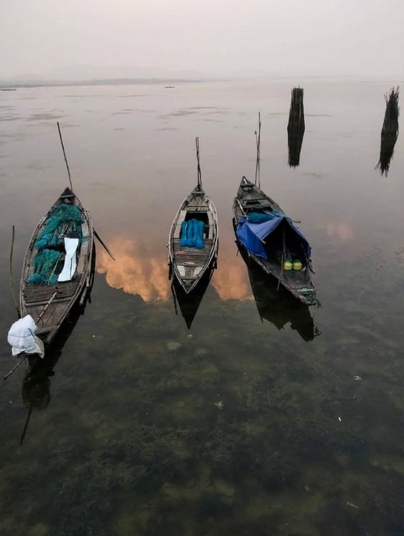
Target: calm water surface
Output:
[(262, 418)]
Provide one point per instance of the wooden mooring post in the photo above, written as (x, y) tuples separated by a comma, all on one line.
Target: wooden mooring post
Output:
[(389, 133), (296, 126)]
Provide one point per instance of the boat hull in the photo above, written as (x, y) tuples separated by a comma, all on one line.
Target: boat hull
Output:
[(248, 198), (189, 264), (50, 305)]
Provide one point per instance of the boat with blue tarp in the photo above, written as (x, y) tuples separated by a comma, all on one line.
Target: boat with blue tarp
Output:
[(272, 239)]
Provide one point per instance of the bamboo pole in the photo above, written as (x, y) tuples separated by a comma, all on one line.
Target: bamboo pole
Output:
[(199, 183), (258, 160), (71, 187), (64, 154), (283, 258), (47, 305), (12, 286), (22, 359)]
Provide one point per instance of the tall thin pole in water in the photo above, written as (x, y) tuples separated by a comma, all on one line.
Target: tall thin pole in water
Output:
[(258, 163), (199, 165), (64, 154), (11, 274)]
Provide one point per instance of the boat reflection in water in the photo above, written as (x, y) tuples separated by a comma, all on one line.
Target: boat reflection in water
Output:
[(278, 306), (36, 385), (189, 303)]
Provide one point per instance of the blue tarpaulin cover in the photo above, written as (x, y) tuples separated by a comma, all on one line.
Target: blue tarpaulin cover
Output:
[(252, 235)]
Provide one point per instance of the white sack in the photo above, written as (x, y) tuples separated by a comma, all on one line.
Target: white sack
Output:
[(22, 338)]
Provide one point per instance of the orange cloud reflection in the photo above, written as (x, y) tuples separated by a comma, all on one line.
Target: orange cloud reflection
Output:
[(231, 282), (134, 270)]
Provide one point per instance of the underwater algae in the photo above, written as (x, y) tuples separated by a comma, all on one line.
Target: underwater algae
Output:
[(238, 433)]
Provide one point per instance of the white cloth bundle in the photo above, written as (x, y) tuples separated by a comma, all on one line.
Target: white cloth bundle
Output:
[(22, 338)]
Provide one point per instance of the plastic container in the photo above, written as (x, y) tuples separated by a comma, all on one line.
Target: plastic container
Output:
[(297, 265), (288, 265)]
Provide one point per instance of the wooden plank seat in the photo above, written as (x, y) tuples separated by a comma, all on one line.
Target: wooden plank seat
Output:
[(40, 294), (197, 256)]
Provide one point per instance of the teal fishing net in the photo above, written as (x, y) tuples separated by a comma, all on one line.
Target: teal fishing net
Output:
[(63, 220), (45, 264)]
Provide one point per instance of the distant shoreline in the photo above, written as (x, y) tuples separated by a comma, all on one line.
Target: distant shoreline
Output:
[(101, 82), (170, 82)]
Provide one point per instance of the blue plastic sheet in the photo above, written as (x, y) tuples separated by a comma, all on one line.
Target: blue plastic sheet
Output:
[(253, 235)]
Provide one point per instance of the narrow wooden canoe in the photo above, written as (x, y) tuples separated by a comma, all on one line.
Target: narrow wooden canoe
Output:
[(271, 251), (50, 304), (188, 257), (188, 264)]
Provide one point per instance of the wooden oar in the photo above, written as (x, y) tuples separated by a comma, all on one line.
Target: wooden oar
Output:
[(97, 236)]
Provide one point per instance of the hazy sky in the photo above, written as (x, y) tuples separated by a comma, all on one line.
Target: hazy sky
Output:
[(88, 38)]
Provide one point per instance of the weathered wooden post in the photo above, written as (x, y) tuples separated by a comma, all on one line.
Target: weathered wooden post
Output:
[(296, 126), (389, 132)]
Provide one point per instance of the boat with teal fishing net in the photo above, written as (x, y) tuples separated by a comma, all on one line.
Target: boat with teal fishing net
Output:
[(273, 241), (57, 275), (193, 240), (57, 266)]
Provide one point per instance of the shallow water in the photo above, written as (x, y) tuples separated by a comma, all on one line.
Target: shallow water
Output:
[(263, 417)]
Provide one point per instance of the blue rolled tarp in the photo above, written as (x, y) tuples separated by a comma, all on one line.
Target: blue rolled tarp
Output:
[(192, 234), (252, 235)]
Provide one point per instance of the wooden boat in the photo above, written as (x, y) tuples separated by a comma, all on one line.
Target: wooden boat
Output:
[(49, 304), (188, 263), (273, 243)]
